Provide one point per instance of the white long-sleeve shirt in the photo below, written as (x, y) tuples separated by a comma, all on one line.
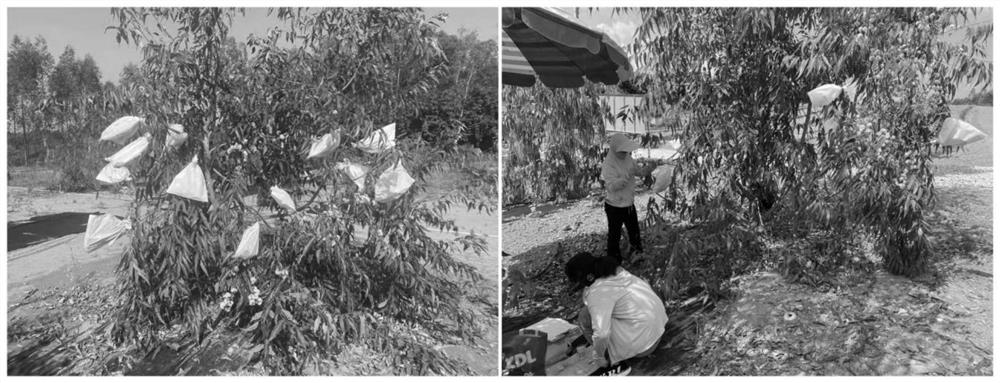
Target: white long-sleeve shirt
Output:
[(626, 315), (619, 180)]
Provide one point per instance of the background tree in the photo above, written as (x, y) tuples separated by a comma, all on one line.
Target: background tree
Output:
[(462, 108), (28, 64), (552, 142)]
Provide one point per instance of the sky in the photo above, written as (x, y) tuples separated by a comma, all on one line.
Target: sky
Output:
[(84, 30)]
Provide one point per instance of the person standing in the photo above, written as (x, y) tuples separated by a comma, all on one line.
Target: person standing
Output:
[(618, 172)]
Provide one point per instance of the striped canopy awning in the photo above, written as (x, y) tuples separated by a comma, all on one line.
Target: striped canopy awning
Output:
[(547, 44)]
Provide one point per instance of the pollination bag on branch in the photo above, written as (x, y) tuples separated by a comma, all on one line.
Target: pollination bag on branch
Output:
[(823, 95), (323, 146), (249, 243), (130, 152), (103, 230), (393, 183), (829, 125), (955, 132), (380, 140), (850, 88), (112, 174), (354, 171), (190, 183), (662, 174), (674, 144), (283, 199), (122, 129), (175, 136)]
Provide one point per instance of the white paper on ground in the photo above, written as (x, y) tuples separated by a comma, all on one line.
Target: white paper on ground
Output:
[(324, 146), (190, 183), (103, 230), (354, 171), (175, 136), (380, 140), (121, 130), (955, 132), (111, 174), (393, 183), (130, 152), (283, 199), (824, 94), (555, 328), (249, 243)]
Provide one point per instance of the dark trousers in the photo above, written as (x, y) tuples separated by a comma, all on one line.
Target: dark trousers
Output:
[(616, 217)]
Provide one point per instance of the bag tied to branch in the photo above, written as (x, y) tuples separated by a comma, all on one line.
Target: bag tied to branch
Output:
[(324, 146), (130, 152), (824, 94), (393, 183), (122, 129), (955, 132), (103, 230), (283, 199), (250, 242), (354, 171), (190, 183), (175, 136), (380, 140), (112, 174), (663, 175)]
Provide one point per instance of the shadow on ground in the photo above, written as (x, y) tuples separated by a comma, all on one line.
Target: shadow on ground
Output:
[(43, 228)]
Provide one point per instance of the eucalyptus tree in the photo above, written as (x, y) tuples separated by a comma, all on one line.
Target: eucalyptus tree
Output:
[(340, 270), (752, 141)]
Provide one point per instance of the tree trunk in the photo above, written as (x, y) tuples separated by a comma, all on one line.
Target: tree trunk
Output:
[(24, 129), (45, 144)]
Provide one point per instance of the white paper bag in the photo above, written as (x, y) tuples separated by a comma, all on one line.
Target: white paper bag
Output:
[(175, 136), (662, 175), (130, 152), (829, 125), (121, 130), (823, 95), (354, 171), (111, 174), (324, 146), (283, 199), (393, 183), (190, 183), (955, 132), (249, 243), (103, 230), (380, 140)]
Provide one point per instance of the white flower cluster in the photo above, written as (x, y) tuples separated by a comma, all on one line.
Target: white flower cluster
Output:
[(254, 298), (281, 272), (227, 300)]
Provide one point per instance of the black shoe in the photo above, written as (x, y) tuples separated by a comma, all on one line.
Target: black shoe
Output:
[(620, 369)]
